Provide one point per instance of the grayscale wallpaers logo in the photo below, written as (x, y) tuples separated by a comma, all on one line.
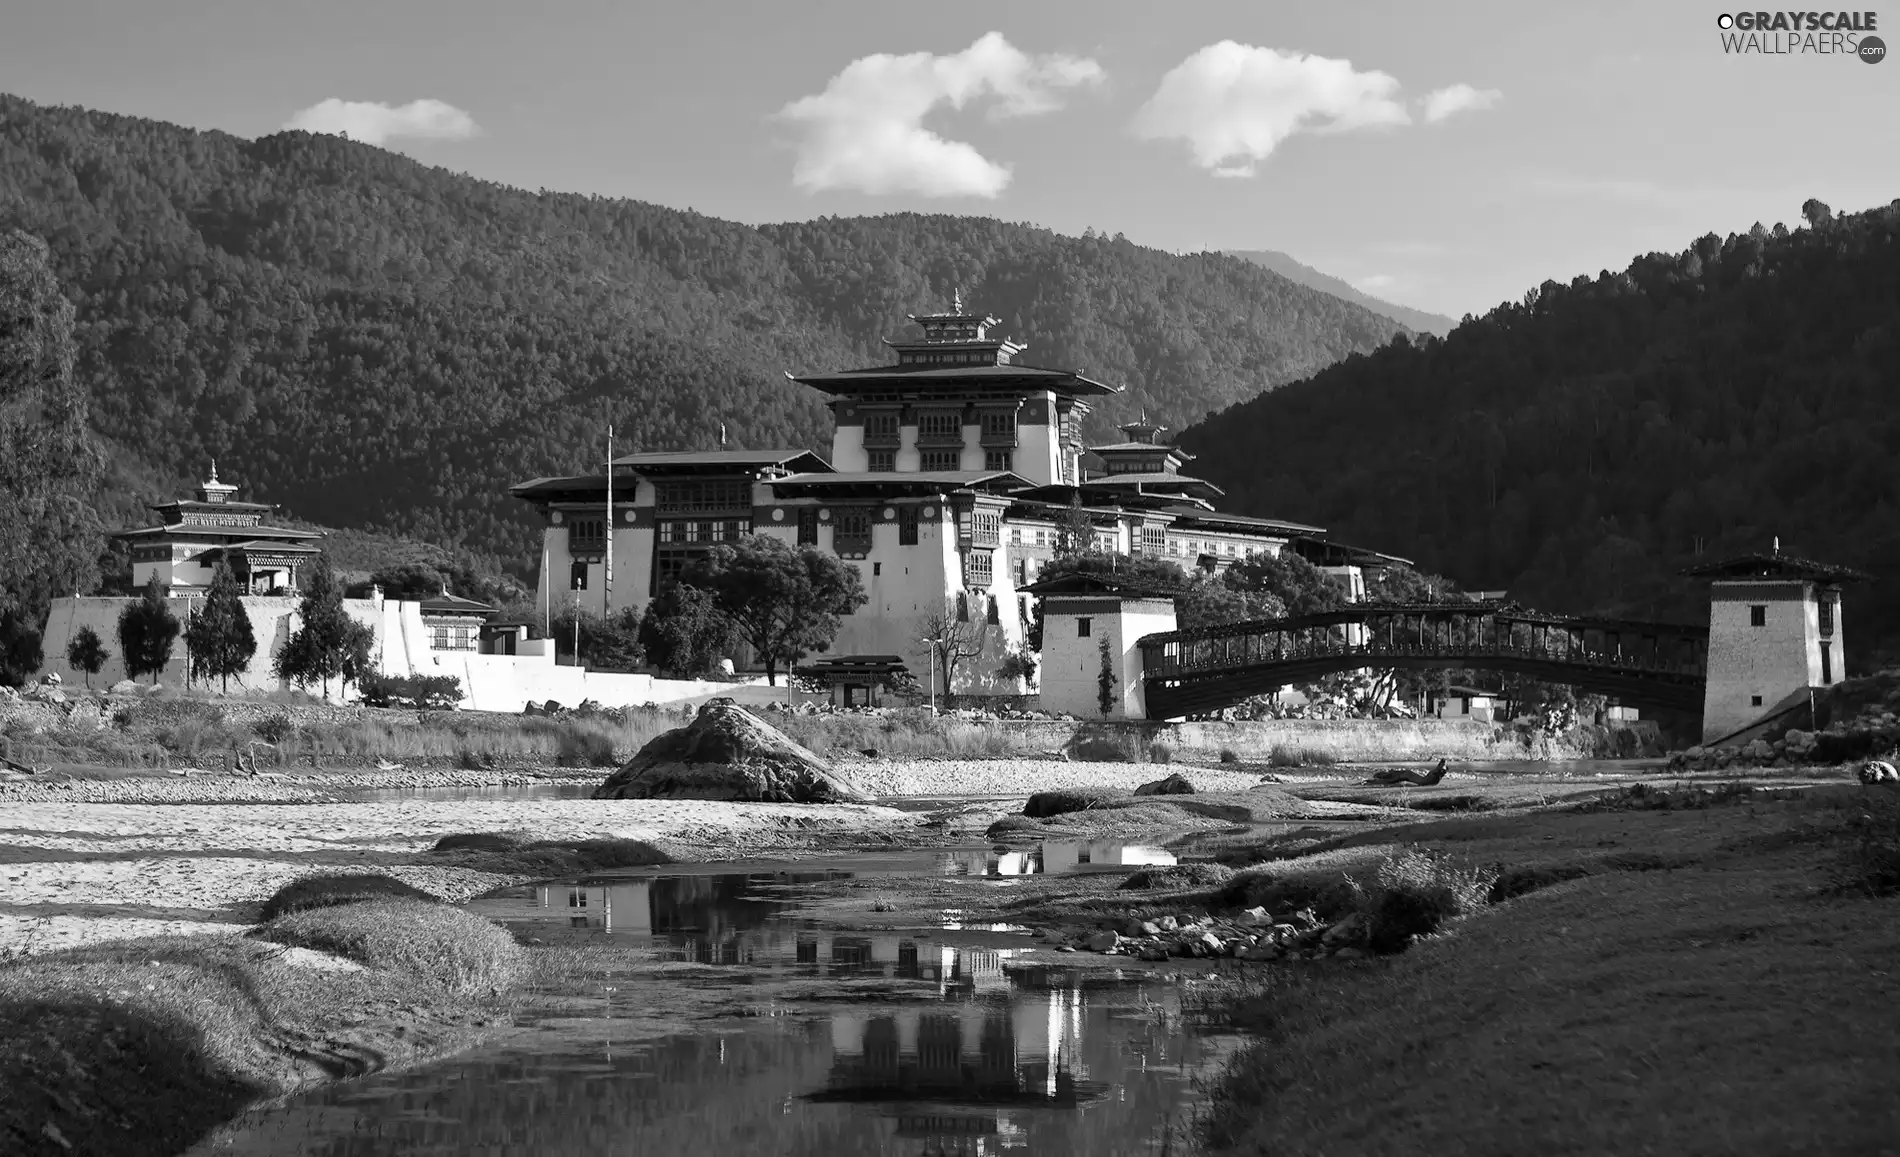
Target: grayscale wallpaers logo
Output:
[(1802, 34)]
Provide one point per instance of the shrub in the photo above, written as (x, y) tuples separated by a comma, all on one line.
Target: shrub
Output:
[(274, 728), (422, 692), (1413, 893), (1286, 755), (1178, 876), (585, 746), (1160, 753), (431, 942), (1229, 755), (313, 892), (1329, 899)]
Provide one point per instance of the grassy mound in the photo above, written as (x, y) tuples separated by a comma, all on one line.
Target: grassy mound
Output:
[(1179, 876), (515, 853), (137, 1048), (313, 892), (445, 946)]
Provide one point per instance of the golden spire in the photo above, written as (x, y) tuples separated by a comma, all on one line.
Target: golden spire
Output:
[(956, 300)]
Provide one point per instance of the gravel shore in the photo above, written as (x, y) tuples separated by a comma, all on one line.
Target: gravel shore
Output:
[(951, 778)]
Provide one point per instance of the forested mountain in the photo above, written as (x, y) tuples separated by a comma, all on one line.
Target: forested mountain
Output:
[(379, 344), (1582, 446), (1287, 267)]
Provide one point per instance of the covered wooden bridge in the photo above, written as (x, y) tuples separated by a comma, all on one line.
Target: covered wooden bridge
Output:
[(1656, 665)]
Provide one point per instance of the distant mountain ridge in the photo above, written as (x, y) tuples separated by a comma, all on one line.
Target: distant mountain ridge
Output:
[(1416, 320), (381, 345)]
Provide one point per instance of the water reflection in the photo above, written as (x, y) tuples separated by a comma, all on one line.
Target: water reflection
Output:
[(964, 1044), (1055, 857)]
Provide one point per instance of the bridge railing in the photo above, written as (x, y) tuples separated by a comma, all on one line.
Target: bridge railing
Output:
[(1213, 655)]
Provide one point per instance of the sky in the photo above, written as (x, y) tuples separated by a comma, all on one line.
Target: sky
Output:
[(1446, 156)]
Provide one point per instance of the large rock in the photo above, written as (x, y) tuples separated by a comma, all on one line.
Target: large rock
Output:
[(1176, 784), (728, 753)]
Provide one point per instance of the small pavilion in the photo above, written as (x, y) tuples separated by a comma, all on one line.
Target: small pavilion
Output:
[(195, 534)]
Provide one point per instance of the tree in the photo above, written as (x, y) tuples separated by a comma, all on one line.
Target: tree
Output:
[(325, 642), (1075, 534), (606, 644), (684, 634), (1105, 679), (85, 652), (147, 629), (950, 635), (20, 652), (784, 600), (1209, 601), (1301, 587), (50, 537), (219, 638)]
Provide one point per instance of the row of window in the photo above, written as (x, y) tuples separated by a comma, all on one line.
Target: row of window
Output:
[(453, 638), (950, 357), (706, 496), (885, 461), (717, 530)]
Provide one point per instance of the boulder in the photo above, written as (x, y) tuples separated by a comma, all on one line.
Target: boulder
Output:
[(728, 753), (1103, 941), (125, 687), (1175, 784)]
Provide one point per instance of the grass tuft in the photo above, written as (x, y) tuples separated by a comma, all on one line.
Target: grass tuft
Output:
[(1045, 804), (463, 954), (1179, 876), (1293, 755), (313, 892)]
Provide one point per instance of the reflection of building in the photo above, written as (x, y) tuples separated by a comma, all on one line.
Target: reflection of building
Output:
[(1025, 1053), (1056, 857)]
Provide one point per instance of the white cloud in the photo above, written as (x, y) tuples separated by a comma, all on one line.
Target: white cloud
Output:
[(1457, 98), (1234, 103), (1375, 283), (865, 131), (373, 122)]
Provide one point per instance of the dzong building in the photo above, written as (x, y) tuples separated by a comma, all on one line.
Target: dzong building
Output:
[(953, 471)]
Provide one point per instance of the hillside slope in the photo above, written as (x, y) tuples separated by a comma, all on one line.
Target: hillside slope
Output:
[(1582, 446), (378, 344), (1416, 320)]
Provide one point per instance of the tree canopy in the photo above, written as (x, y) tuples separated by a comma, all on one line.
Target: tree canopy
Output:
[(147, 630), (219, 637), (785, 600)]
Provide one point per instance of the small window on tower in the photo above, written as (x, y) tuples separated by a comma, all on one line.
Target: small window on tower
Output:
[(1082, 628), (1758, 615), (577, 577), (1754, 701)]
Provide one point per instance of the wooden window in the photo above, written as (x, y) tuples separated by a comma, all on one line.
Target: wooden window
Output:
[(997, 460), (587, 536), (852, 530), (1758, 615), (883, 461), (1827, 619), (808, 526), (881, 429), (1827, 662), (907, 526), (577, 577), (941, 459), (978, 569), (940, 426), (1082, 628), (1754, 701)]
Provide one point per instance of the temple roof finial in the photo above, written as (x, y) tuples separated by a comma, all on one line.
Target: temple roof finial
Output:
[(214, 470), (956, 300), (1777, 545)]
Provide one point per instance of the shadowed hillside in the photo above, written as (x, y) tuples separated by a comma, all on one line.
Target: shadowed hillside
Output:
[(1583, 445)]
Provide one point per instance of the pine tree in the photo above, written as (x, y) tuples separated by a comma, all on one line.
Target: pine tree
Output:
[(147, 629), (219, 638), (1105, 680), (329, 643), (86, 653)]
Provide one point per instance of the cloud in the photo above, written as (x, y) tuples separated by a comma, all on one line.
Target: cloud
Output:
[(1457, 98), (373, 122), (1235, 103), (865, 131), (1375, 283)]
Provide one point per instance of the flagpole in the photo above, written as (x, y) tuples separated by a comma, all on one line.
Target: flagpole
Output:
[(607, 587)]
